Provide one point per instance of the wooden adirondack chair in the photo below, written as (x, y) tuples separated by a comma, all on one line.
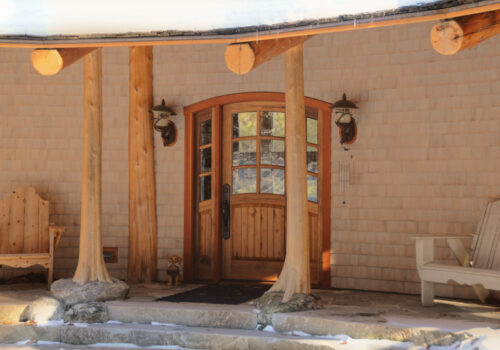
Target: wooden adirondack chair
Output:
[(26, 238), (479, 268)]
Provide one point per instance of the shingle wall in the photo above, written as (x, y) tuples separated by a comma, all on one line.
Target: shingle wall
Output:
[(427, 156)]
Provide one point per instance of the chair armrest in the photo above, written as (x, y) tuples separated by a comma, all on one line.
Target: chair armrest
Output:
[(57, 231), (453, 242)]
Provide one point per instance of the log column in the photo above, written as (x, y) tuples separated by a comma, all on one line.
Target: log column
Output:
[(91, 264), (295, 276), (142, 191)]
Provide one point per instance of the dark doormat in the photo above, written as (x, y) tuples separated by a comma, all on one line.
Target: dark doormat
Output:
[(219, 294)]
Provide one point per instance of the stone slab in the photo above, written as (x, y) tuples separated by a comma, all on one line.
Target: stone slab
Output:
[(186, 337), (58, 346), (187, 314), (15, 333), (315, 324)]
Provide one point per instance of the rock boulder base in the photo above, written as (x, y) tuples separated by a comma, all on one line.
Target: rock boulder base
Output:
[(72, 293), (270, 303), (42, 310), (93, 312)]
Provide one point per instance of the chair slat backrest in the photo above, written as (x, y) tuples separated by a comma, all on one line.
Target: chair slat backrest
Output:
[(485, 252), (24, 223)]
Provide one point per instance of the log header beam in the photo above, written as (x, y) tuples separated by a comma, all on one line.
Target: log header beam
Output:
[(464, 32), (244, 57), (51, 61)]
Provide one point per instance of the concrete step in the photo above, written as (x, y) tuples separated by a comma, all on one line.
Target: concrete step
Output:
[(59, 346), (320, 324), (186, 314), (181, 336)]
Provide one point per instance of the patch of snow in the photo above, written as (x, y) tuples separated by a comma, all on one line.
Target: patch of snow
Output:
[(55, 17), (268, 329), (163, 324), (169, 347), (114, 322), (78, 324), (340, 337), (115, 345), (53, 323), (299, 334)]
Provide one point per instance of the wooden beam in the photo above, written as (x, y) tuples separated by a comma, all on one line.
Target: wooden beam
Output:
[(243, 57), (51, 61), (91, 266), (462, 33), (142, 191), (295, 277)]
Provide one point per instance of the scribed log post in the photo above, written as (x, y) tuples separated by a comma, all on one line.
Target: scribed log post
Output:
[(142, 191), (91, 266), (243, 57), (50, 61), (295, 275), (461, 33)]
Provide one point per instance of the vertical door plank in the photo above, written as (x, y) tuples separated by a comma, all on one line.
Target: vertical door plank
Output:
[(244, 232), (16, 221), (264, 232), (269, 214), (258, 232), (4, 225), (317, 243), (279, 234), (253, 237), (43, 225), (210, 236), (206, 232), (31, 221), (236, 232), (202, 233)]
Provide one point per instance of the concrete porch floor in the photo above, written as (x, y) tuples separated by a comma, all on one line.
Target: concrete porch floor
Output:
[(358, 314)]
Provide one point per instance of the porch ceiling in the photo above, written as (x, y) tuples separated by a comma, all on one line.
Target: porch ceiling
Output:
[(51, 23)]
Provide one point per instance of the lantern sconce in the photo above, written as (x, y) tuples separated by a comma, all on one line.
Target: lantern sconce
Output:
[(163, 124), (344, 120)]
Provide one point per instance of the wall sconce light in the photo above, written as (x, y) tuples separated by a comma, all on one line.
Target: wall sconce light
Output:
[(344, 120), (163, 124)]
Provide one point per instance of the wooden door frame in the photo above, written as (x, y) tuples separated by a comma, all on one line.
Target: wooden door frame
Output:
[(324, 175)]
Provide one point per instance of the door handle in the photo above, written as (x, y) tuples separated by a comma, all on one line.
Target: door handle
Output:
[(226, 211)]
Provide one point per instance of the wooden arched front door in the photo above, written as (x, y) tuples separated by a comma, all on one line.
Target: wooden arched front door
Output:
[(235, 188)]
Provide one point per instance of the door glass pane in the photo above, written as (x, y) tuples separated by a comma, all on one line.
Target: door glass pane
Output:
[(312, 159), (244, 152), (312, 130), (244, 124), (206, 159), (312, 188), (272, 181), (244, 180), (206, 132), (206, 187), (272, 124), (272, 152)]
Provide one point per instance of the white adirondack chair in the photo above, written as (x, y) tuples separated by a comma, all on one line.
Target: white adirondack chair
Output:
[(479, 268)]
